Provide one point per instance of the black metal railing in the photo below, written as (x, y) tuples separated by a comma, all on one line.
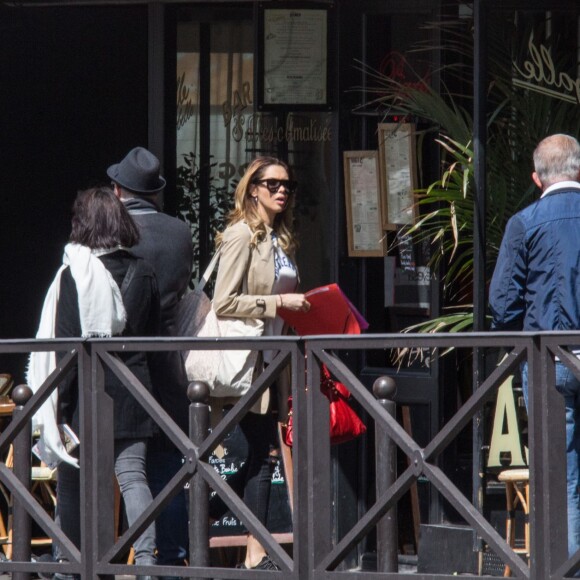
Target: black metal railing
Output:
[(315, 553)]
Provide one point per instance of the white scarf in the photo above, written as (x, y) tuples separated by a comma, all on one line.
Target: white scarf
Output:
[(102, 314)]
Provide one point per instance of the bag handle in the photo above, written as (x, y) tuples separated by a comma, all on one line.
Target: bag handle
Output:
[(211, 267), (208, 271)]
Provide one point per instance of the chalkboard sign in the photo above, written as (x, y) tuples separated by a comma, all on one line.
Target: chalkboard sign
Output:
[(406, 250), (230, 465)]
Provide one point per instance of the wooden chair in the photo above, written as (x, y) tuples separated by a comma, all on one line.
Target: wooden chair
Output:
[(6, 384), (517, 490), (43, 480), (43, 488)]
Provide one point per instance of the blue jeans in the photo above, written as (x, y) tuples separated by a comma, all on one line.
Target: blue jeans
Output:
[(172, 526), (569, 387), (130, 455)]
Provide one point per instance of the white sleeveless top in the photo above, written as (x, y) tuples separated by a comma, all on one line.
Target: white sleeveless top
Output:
[(285, 281)]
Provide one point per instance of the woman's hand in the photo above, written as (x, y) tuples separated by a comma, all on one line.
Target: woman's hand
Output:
[(295, 302)]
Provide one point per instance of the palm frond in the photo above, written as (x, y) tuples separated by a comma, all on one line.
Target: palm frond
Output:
[(517, 120)]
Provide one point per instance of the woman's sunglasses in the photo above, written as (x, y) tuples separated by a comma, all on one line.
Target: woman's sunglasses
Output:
[(274, 185)]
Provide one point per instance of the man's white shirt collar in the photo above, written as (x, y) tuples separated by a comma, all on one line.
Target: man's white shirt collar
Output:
[(561, 185)]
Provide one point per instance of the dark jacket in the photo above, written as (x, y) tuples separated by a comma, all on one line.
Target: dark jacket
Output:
[(141, 301), (165, 242), (536, 283)]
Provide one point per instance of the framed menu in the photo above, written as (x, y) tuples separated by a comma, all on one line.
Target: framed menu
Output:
[(293, 63), (398, 168), (363, 204)]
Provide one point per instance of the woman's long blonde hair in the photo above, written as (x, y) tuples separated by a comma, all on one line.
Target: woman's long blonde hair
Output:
[(245, 208)]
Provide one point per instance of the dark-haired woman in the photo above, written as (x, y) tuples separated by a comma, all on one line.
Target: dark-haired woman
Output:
[(103, 290), (257, 277)]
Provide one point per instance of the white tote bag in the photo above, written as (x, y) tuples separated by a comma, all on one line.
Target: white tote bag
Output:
[(228, 373)]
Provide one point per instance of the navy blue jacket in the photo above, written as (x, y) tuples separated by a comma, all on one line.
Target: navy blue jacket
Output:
[(536, 282)]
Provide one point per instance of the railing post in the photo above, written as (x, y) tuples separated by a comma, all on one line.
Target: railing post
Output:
[(384, 389), (547, 444), (22, 526), (198, 393), (311, 425)]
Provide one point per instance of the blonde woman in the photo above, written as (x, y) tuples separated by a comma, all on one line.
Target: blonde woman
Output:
[(257, 277)]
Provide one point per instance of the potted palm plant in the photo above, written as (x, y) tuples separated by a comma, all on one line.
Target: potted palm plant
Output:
[(516, 120)]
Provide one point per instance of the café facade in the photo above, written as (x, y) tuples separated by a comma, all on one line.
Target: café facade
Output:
[(208, 86)]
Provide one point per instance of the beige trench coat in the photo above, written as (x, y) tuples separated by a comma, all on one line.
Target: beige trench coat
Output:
[(243, 289)]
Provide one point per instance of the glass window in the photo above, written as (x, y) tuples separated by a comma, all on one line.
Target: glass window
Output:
[(220, 130), (206, 197)]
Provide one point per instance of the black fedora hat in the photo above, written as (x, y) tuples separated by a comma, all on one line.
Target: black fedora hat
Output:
[(138, 172)]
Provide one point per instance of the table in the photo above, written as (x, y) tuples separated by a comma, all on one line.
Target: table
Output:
[(6, 408)]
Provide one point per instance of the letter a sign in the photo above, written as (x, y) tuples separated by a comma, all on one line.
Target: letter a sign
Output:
[(505, 437)]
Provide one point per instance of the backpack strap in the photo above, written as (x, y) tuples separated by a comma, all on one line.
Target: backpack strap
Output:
[(129, 275)]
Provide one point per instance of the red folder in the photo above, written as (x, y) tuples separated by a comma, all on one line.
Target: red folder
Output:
[(331, 312)]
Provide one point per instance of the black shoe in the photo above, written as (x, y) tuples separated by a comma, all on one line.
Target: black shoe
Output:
[(42, 558), (266, 563), (59, 576)]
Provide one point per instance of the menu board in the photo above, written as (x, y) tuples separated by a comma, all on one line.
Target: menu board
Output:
[(230, 462), (398, 172), (295, 57), (363, 204)]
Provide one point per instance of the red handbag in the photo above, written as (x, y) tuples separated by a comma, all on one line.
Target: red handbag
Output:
[(345, 424)]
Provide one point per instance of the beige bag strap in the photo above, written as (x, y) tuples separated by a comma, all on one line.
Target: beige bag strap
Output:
[(208, 271)]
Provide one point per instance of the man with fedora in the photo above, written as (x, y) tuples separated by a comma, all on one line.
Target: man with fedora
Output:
[(166, 244)]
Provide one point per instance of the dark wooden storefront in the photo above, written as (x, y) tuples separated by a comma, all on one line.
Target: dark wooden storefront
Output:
[(83, 82)]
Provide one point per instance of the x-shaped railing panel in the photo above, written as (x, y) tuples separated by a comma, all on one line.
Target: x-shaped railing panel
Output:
[(196, 456), (420, 458), (315, 557), (21, 419)]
